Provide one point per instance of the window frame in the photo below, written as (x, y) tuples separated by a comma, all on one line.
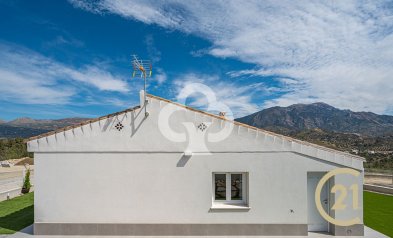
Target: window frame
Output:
[(228, 186)]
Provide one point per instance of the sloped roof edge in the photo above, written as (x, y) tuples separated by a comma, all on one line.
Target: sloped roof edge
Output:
[(80, 124), (202, 112), (262, 130)]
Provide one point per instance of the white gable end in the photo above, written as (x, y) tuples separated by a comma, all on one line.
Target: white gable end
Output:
[(178, 132)]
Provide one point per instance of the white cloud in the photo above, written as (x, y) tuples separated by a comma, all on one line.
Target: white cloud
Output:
[(92, 75), (61, 40), (237, 98), (160, 76), (339, 52), (29, 77), (19, 88), (152, 51)]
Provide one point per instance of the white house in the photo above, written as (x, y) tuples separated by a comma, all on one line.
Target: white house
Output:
[(180, 171)]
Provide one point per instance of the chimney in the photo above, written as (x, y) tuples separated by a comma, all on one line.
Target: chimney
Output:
[(141, 98)]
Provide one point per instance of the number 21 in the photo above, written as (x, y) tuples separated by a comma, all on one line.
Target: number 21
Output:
[(339, 204)]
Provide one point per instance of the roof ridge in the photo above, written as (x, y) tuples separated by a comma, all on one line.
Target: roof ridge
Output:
[(259, 129), (80, 124)]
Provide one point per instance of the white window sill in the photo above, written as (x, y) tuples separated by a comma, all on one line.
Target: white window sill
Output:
[(221, 206)]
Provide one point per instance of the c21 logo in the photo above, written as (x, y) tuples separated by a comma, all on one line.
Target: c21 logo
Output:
[(339, 204)]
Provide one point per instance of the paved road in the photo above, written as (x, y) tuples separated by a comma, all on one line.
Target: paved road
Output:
[(11, 180)]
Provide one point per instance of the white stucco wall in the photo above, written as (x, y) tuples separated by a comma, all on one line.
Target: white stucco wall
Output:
[(96, 174), (151, 188)]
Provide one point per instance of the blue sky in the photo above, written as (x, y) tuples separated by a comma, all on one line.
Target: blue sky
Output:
[(72, 58)]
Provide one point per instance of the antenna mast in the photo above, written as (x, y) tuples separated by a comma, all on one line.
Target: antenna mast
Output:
[(143, 67)]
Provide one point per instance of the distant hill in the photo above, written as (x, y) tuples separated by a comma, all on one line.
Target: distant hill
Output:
[(363, 133), (299, 117), (23, 121), (26, 127), (378, 150), (7, 131), (46, 124)]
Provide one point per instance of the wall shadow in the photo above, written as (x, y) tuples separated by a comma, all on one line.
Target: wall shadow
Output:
[(18, 220), (134, 116), (183, 160)]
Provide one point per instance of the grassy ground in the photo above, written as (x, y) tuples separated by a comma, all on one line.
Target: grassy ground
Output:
[(16, 214), (378, 212)]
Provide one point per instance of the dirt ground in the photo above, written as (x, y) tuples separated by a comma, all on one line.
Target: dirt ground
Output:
[(379, 179), (14, 168)]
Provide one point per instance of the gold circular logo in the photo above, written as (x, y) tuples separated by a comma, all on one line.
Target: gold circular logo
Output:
[(337, 206)]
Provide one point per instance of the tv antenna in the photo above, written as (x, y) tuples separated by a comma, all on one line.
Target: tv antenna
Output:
[(144, 68)]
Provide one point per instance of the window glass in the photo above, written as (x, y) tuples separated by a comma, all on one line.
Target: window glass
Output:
[(236, 187), (220, 186)]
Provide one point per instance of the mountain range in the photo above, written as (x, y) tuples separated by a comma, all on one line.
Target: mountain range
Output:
[(285, 120), (26, 127), (300, 117), (363, 133)]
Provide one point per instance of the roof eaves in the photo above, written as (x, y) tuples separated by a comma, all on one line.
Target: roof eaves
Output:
[(262, 130), (80, 124)]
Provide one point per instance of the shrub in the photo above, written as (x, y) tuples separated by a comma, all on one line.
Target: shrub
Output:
[(26, 182)]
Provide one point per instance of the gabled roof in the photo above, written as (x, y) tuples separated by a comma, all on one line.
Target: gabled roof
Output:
[(286, 138)]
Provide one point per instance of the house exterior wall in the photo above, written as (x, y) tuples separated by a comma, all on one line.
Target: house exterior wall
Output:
[(135, 188), (136, 181)]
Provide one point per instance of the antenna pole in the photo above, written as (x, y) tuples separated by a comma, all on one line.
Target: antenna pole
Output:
[(144, 95), (142, 66)]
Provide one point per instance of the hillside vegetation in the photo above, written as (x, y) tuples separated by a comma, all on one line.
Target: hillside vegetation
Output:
[(376, 150), (7, 131), (13, 149)]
